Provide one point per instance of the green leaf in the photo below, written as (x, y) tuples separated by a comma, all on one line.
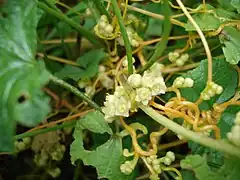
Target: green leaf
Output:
[(94, 121), (236, 4), (21, 76), (154, 26), (226, 4), (231, 169), (88, 66), (206, 21), (214, 157), (198, 164), (227, 120), (187, 175), (231, 48), (108, 157), (199, 75)]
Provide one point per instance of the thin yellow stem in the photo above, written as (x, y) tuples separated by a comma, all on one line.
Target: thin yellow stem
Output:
[(58, 59), (154, 15), (59, 41), (204, 41), (172, 144)]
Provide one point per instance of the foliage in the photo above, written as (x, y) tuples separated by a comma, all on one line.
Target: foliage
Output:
[(88, 66), (108, 157), (196, 163), (21, 76), (137, 79)]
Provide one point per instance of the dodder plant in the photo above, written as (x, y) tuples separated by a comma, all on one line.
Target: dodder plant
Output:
[(136, 98)]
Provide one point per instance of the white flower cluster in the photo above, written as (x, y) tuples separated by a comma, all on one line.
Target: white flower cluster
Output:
[(143, 89), (211, 90), (181, 82), (117, 104), (133, 38), (104, 28), (234, 135), (148, 85), (176, 58), (23, 144)]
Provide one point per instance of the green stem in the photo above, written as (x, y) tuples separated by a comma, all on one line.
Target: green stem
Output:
[(101, 8), (75, 91), (163, 43), (127, 44), (215, 144), (45, 130), (90, 36)]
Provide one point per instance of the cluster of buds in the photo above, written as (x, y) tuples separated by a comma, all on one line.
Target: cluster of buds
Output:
[(134, 21), (133, 38), (168, 159), (175, 57), (157, 163), (41, 159), (181, 82), (234, 135), (143, 88), (103, 28), (211, 90), (128, 166), (22, 144)]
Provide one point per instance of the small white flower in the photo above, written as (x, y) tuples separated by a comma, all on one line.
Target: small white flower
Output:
[(125, 61), (188, 82), (106, 81), (219, 90), (178, 82), (173, 56), (104, 18), (135, 80), (205, 96), (108, 29), (134, 43), (156, 69), (89, 91), (167, 161), (109, 108), (170, 155), (147, 79), (127, 167), (102, 24), (123, 107), (143, 95), (158, 86), (101, 68), (120, 91), (179, 62)]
